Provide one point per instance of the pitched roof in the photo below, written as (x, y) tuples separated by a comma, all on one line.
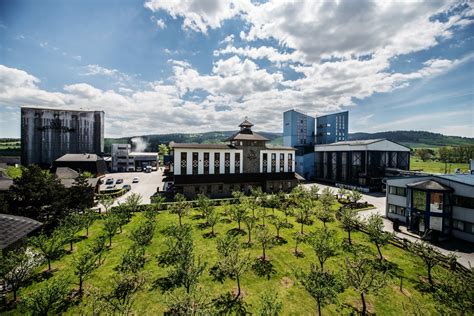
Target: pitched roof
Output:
[(429, 185), (246, 123), (14, 228), (79, 157), (201, 146), (246, 134), (356, 142)]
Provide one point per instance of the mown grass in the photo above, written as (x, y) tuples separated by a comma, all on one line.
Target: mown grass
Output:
[(436, 166), (296, 301)]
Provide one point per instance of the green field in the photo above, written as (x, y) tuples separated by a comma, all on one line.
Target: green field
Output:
[(430, 166), (296, 301)]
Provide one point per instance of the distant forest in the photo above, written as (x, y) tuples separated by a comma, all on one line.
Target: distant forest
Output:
[(413, 139)]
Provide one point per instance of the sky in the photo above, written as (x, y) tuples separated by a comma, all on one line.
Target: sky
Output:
[(162, 66)]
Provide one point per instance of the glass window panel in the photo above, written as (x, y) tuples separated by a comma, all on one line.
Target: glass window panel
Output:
[(419, 200)]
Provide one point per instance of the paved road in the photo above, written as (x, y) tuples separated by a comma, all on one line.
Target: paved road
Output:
[(146, 187), (464, 250)]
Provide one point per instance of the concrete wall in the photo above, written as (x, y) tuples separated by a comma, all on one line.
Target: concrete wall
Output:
[(47, 134)]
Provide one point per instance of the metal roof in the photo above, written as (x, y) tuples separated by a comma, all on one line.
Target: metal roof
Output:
[(429, 185), (246, 134), (201, 146), (79, 157), (460, 178), (355, 142), (14, 228)]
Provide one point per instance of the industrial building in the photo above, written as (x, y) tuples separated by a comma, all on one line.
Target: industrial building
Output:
[(47, 134), (298, 132), (124, 159), (360, 164), (81, 163), (438, 206), (332, 128), (244, 161)]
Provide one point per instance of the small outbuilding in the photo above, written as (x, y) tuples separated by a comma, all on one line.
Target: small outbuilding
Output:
[(82, 162), (14, 229)]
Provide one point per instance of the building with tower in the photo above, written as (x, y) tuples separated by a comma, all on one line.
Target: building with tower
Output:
[(245, 160)]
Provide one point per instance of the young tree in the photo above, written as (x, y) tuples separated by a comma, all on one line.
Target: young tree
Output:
[(132, 260), (151, 212), (364, 277), (278, 222), (341, 192), (88, 218), (270, 304), (111, 225), (327, 200), (323, 286), (314, 192), (204, 205), (304, 212), (349, 221), (49, 246), (49, 298), (428, 254), (262, 213), (122, 214), (325, 245), (17, 266), (163, 149), (231, 261), (288, 211), (265, 239), (273, 201), (106, 201), (196, 302), (250, 222), (69, 227), (158, 201), (212, 219), (143, 234), (180, 207), (239, 212), (355, 196), (325, 215), (299, 238), (84, 263), (132, 202), (81, 195), (376, 233), (98, 247)]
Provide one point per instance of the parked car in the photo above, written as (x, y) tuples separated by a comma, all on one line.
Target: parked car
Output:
[(135, 180), (139, 169), (154, 168), (127, 187), (109, 181), (119, 181), (110, 187)]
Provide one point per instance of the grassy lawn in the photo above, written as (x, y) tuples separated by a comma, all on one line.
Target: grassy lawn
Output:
[(436, 166), (296, 301)]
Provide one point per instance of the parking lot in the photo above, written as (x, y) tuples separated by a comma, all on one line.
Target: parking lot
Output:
[(146, 186)]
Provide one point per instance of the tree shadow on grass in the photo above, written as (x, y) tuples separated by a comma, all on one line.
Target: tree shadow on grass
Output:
[(164, 284), (202, 225), (209, 235), (263, 268), (226, 221), (236, 232), (228, 304), (278, 240)]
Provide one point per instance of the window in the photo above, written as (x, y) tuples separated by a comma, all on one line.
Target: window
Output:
[(265, 162), (395, 209), (419, 200), (463, 201), (397, 191), (221, 188), (195, 162), (206, 163), (282, 162), (273, 162), (183, 163), (227, 163), (237, 163), (217, 163), (290, 162), (463, 226), (436, 202), (458, 225)]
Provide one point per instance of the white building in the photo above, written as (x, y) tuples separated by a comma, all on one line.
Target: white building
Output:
[(439, 205), (124, 159), (245, 161)]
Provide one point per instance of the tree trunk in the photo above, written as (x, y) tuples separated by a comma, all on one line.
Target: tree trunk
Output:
[(380, 253), (110, 240), (349, 236), (278, 232), (80, 286), (180, 224), (239, 225), (250, 238), (238, 287), (212, 230), (49, 264), (264, 254), (70, 245), (321, 263), (363, 304), (324, 224), (319, 307), (87, 231), (14, 294), (302, 224)]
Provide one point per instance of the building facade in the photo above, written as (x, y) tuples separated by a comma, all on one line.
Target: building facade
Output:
[(298, 132), (245, 161), (47, 134), (332, 128), (360, 164), (124, 159), (439, 206)]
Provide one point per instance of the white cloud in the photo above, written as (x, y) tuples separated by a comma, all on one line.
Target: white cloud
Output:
[(161, 24), (199, 15)]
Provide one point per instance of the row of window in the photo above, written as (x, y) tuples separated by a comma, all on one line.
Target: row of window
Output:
[(397, 191), (273, 162), (395, 209), (463, 201), (462, 226), (206, 163)]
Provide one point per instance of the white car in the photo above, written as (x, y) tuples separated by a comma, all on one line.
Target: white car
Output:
[(135, 180)]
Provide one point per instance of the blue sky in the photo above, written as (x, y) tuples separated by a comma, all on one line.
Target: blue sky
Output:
[(189, 66)]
